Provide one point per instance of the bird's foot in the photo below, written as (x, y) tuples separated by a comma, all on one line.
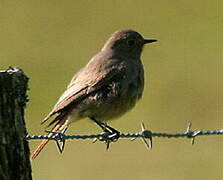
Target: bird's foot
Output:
[(108, 135)]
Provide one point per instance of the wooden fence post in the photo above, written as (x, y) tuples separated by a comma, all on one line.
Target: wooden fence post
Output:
[(14, 150)]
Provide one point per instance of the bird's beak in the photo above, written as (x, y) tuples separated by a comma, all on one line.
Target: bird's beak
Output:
[(147, 41)]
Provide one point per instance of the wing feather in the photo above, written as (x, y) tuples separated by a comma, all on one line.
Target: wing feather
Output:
[(83, 84)]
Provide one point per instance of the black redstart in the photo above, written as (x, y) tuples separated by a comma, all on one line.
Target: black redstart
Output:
[(106, 88)]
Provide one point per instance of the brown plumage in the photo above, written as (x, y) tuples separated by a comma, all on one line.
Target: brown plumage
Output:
[(107, 87)]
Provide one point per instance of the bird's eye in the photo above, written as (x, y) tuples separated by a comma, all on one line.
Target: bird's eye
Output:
[(131, 42)]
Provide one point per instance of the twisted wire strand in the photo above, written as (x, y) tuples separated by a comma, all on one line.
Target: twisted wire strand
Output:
[(144, 133)]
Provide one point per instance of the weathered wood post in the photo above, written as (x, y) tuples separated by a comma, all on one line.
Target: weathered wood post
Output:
[(14, 150)]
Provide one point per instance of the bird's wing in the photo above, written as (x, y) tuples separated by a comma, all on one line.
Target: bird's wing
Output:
[(83, 84)]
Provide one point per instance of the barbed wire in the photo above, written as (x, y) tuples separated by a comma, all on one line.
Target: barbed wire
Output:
[(144, 134)]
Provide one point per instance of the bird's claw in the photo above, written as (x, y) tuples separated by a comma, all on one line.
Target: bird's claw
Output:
[(108, 137)]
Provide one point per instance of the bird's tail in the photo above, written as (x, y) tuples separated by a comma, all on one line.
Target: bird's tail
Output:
[(59, 127)]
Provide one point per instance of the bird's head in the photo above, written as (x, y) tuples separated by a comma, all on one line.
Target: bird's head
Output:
[(128, 43)]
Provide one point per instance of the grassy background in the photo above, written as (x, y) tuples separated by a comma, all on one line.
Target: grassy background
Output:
[(50, 40)]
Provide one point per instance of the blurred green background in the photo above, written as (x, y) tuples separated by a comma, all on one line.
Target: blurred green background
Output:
[(51, 40)]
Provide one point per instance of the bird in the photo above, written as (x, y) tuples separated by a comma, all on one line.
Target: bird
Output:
[(107, 87)]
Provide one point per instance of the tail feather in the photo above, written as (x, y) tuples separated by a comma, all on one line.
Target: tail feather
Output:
[(47, 117), (60, 127)]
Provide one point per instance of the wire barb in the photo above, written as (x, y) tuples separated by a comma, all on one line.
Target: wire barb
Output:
[(60, 139), (146, 134), (190, 133)]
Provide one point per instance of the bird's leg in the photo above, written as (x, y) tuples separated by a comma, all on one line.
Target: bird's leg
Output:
[(114, 134), (107, 128)]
